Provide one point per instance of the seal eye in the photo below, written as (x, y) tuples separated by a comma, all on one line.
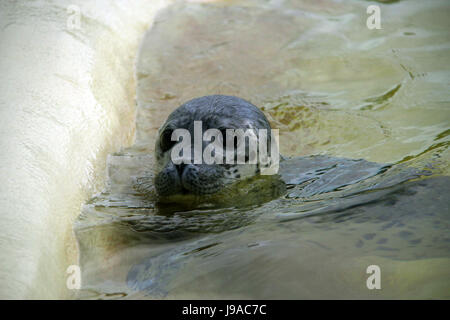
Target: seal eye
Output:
[(165, 140)]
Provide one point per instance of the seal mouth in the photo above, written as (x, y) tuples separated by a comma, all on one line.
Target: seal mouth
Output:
[(188, 179), (184, 191)]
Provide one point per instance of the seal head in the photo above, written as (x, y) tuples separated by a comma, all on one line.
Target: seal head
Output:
[(218, 112)]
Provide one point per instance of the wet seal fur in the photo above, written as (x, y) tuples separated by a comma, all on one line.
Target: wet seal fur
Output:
[(202, 180)]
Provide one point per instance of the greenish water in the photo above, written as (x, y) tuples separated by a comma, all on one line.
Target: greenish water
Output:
[(336, 91)]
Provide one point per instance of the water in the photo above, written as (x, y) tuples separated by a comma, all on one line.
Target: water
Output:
[(338, 92)]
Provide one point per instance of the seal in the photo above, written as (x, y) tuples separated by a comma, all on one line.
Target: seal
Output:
[(219, 112)]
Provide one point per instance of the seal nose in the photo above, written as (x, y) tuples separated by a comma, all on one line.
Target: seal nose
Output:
[(180, 168)]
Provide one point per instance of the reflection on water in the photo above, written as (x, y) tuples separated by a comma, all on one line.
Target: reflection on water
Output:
[(332, 87)]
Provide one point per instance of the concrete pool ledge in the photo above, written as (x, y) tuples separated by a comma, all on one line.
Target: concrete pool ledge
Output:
[(67, 99)]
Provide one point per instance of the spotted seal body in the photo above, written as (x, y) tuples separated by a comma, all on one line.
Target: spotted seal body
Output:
[(215, 112)]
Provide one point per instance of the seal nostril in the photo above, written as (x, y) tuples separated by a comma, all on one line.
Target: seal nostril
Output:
[(180, 168)]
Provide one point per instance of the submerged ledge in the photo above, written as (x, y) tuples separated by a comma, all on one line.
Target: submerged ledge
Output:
[(67, 99)]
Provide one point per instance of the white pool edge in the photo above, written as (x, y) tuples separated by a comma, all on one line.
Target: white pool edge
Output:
[(67, 99)]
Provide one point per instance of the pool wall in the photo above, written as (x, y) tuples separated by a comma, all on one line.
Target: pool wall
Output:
[(67, 99)]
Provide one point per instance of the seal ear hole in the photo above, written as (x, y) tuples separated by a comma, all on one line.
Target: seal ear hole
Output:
[(165, 140)]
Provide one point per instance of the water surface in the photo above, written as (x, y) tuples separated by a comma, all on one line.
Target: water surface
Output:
[(338, 92)]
